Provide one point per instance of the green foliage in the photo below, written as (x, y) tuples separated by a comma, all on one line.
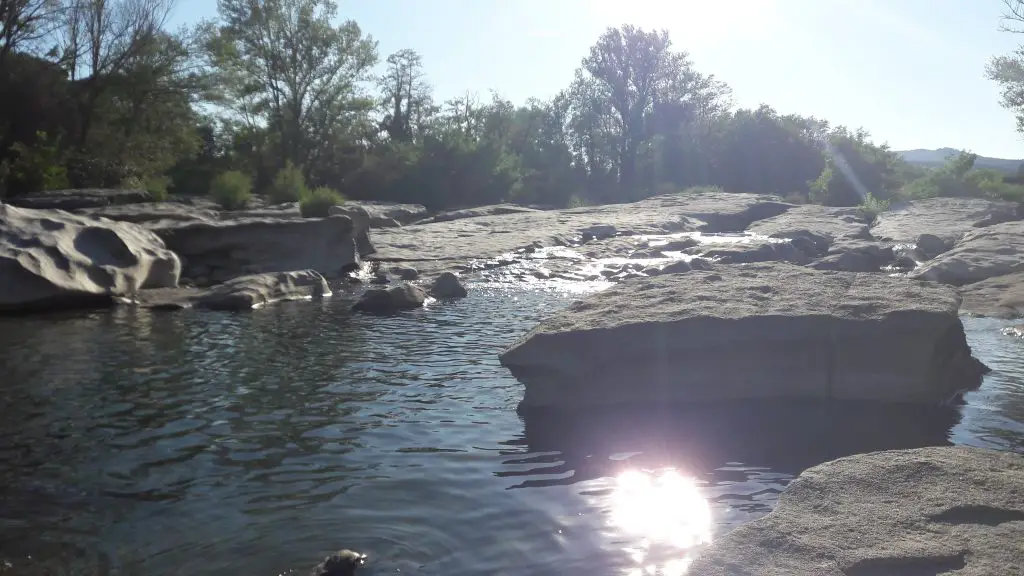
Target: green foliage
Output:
[(36, 167), (231, 190), (317, 203), (289, 185), (871, 207)]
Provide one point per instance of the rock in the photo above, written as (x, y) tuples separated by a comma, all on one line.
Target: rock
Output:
[(381, 212), (682, 266), (750, 331), (446, 286), (362, 221), (980, 254), (855, 256), (496, 210), (598, 232), (148, 212), (823, 225), (678, 245), (76, 199), (52, 258), (380, 222), (253, 291), (931, 245), (405, 272), (999, 297), (227, 249), (1015, 331), (945, 218), (402, 296), (343, 563), (753, 251), (942, 510)]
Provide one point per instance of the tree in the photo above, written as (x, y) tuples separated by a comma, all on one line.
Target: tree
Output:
[(284, 65), (405, 96), (1008, 70)]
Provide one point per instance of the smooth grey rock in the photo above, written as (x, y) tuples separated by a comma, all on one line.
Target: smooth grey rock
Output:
[(52, 258), (79, 198), (253, 291), (945, 218), (405, 272), (495, 210), (750, 331), (362, 222), (380, 212), (753, 251), (401, 296), (855, 256), (227, 249), (942, 510), (931, 245), (147, 212), (999, 297), (980, 254), (447, 286), (823, 225)]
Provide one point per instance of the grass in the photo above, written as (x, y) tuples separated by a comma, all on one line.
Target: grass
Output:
[(318, 202)]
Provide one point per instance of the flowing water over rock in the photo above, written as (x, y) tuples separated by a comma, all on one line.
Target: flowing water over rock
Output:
[(209, 443)]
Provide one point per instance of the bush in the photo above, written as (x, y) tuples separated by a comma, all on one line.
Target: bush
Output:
[(35, 167), (231, 189), (317, 204), (871, 207), (157, 187), (289, 185)]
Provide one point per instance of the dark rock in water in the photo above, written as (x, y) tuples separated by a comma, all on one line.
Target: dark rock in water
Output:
[(77, 199), (213, 252), (247, 292), (942, 510), (446, 286), (402, 296), (54, 259), (750, 331), (344, 563), (598, 232), (407, 273)]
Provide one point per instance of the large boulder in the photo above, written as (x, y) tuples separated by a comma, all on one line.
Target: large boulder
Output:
[(999, 297), (79, 198), (51, 258), (213, 252), (401, 296), (944, 218), (255, 290), (980, 254), (750, 331), (942, 510)]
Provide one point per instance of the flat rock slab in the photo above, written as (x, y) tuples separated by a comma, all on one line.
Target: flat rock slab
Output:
[(52, 259), (944, 510), (242, 293), (491, 236), (821, 224), (149, 212), (495, 210), (999, 297), (80, 198), (980, 254), (946, 218), (747, 331)]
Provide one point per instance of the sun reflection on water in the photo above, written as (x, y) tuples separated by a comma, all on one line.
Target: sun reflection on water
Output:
[(663, 510)]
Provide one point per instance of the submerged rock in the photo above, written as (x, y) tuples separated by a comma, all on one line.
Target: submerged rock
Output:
[(750, 331), (405, 272), (401, 296), (343, 563), (447, 285), (246, 292), (944, 510), (980, 254), (51, 258), (213, 252)]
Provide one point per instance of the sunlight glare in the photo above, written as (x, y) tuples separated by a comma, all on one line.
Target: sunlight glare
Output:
[(666, 508)]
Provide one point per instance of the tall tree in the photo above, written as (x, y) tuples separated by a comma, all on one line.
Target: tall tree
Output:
[(1008, 70), (285, 65), (405, 96)]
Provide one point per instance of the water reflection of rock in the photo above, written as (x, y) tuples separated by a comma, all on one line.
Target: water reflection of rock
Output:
[(785, 437)]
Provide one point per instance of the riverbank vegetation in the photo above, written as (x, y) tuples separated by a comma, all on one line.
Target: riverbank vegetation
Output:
[(286, 98)]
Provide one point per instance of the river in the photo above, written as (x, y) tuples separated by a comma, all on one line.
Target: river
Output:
[(164, 443)]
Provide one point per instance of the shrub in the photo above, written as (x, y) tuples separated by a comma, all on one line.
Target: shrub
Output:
[(36, 167), (317, 204), (289, 185), (871, 207), (576, 201), (157, 187), (231, 189)]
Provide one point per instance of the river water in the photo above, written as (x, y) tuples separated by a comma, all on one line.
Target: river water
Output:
[(203, 443)]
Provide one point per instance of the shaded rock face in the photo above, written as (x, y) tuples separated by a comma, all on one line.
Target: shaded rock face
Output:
[(447, 286), (999, 297), (253, 291), (401, 296), (76, 199), (361, 222), (213, 252), (943, 510), (944, 218), (51, 258), (980, 254), (750, 331)]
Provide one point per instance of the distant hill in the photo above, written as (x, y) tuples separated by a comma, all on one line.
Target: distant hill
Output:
[(938, 157)]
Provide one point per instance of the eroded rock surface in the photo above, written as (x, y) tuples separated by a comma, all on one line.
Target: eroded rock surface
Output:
[(52, 258), (945, 218), (153, 212), (823, 225), (750, 331), (999, 297), (213, 252), (81, 198), (943, 510), (253, 291), (980, 254)]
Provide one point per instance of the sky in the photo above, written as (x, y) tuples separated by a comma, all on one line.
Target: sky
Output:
[(911, 72)]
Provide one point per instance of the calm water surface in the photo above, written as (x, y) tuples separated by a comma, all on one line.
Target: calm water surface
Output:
[(139, 443)]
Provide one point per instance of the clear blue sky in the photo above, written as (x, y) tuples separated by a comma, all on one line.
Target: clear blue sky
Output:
[(909, 71)]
